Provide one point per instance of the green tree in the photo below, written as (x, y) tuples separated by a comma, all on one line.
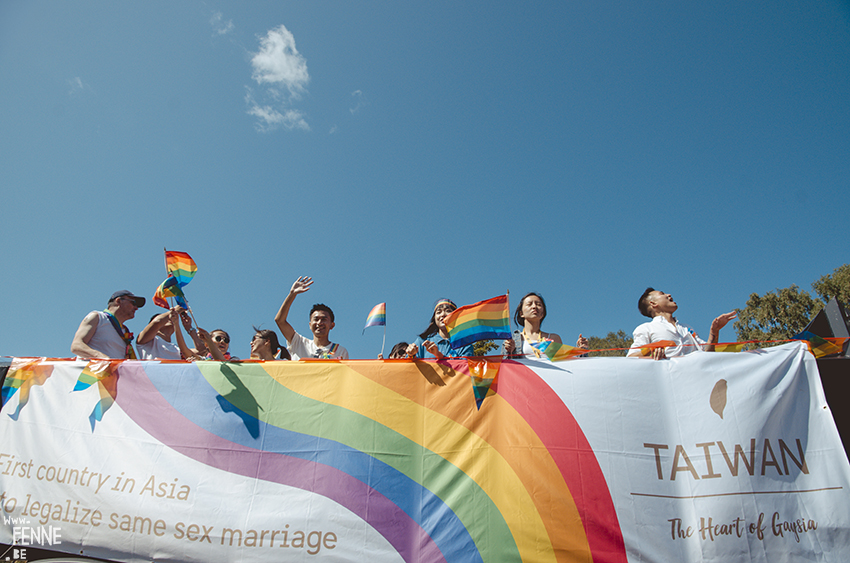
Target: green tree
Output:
[(483, 346), (777, 315), (782, 313), (835, 285), (617, 339)]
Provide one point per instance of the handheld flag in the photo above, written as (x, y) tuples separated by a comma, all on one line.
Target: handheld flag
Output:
[(647, 349), (169, 288), (181, 266), (485, 320), (377, 316), (557, 352)]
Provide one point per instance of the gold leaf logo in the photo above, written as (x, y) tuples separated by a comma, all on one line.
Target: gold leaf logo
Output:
[(718, 397)]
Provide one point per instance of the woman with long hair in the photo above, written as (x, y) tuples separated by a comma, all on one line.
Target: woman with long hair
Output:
[(434, 340)]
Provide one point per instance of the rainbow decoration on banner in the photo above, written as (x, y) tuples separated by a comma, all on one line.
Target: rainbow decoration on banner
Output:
[(820, 346), (729, 347), (23, 374), (180, 265), (485, 320), (647, 349), (377, 316), (557, 352), (104, 374), (169, 288), (483, 373), (402, 453)]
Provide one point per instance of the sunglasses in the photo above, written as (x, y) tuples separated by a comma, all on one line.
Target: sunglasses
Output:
[(220, 338)]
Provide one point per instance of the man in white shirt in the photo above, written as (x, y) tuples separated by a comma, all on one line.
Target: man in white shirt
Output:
[(321, 323), (659, 307), (154, 342)]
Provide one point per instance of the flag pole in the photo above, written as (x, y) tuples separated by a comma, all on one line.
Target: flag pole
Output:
[(384, 341)]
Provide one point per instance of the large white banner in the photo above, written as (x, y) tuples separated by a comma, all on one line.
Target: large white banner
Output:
[(709, 457)]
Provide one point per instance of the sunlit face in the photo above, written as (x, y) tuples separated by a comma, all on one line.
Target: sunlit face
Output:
[(533, 308), (442, 311), (126, 308), (221, 340), (661, 302), (258, 344), (321, 323)]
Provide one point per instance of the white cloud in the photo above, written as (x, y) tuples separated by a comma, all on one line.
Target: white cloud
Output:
[(77, 85), (279, 69), (359, 101), (219, 25), (333, 130), (280, 63), (270, 118)]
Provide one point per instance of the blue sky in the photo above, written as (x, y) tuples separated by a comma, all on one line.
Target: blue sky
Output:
[(399, 152)]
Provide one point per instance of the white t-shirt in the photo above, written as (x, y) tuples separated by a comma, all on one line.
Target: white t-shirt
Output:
[(158, 349), (659, 328), (300, 347)]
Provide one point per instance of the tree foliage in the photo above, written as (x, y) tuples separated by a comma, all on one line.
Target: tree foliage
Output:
[(617, 339), (835, 285), (482, 347), (777, 315), (780, 314)]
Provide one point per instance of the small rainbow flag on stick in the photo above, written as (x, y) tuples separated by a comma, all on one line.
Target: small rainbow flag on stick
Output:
[(169, 288), (485, 320), (377, 316), (557, 352), (180, 265)]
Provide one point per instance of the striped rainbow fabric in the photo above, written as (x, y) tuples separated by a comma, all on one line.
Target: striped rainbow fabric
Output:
[(169, 288), (180, 265), (557, 352), (485, 320), (377, 316)]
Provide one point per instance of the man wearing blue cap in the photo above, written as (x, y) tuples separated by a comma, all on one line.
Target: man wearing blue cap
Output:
[(102, 334)]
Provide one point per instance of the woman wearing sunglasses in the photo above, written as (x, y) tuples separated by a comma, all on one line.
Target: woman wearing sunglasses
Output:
[(218, 344)]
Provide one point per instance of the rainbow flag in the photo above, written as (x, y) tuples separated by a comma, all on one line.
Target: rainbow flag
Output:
[(181, 266), (730, 347), (377, 316), (647, 349), (169, 288), (820, 346), (557, 352), (485, 320)]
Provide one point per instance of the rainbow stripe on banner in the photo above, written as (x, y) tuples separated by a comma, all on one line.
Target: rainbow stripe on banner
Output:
[(485, 320), (180, 265), (377, 316), (398, 468)]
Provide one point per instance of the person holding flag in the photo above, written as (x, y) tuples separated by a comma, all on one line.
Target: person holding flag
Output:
[(434, 341), (154, 342)]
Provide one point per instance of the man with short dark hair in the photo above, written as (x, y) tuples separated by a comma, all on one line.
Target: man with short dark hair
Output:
[(659, 307), (154, 342), (321, 323), (102, 334)]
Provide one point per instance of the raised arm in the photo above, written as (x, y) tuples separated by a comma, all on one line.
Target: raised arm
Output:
[(215, 352), (149, 332), (301, 285), (176, 318), (716, 325), (80, 345)]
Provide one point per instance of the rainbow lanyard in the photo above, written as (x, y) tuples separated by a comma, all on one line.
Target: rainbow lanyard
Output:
[(125, 335), (329, 354)]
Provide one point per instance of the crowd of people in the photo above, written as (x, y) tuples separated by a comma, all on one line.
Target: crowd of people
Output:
[(103, 334)]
